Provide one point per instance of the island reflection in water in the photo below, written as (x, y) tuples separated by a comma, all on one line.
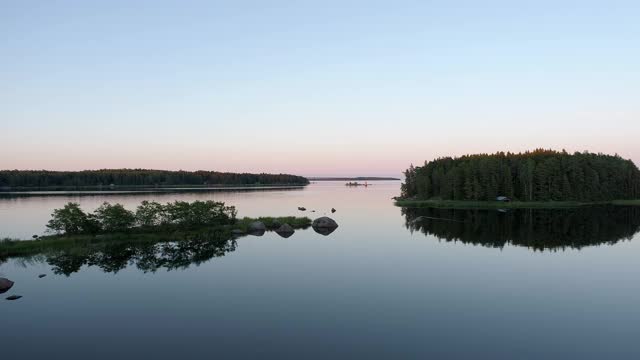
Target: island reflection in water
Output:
[(147, 252), (536, 229), (146, 255)]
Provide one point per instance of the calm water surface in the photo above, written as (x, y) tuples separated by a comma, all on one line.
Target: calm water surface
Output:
[(388, 283)]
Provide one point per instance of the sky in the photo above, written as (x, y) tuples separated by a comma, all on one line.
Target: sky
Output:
[(315, 88)]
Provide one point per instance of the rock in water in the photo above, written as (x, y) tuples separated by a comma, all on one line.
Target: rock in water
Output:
[(324, 222), (324, 231), (324, 225), (42, 275), (301, 208), (333, 210), (285, 231), (14, 297), (5, 285), (257, 228)]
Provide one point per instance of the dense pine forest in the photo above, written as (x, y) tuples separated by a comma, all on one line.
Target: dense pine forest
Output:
[(12, 179), (540, 175)]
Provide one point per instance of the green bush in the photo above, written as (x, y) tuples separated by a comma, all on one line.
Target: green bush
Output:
[(196, 213), (70, 219), (114, 217), (151, 213)]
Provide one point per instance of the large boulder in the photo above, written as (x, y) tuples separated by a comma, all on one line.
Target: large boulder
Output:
[(324, 222), (5, 285), (256, 228), (285, 231), (324, 225)]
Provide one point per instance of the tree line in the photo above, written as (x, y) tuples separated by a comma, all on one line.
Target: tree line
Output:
[(138, 177), (539, 175)]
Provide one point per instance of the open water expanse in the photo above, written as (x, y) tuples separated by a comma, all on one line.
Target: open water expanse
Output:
[(388, 283)]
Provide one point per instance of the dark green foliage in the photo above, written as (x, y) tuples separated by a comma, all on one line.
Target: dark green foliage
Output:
[(151, 213), (198, 213), (540, 175), (16, 179), (115, 218), (71, 220)]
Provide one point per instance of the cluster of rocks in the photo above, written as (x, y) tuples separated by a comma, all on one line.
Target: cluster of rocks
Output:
[(6, 285), (323, 225), (258, 228), (301, 208)]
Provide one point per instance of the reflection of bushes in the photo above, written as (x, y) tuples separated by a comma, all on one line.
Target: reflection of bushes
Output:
[(147, 254), (538, 229)]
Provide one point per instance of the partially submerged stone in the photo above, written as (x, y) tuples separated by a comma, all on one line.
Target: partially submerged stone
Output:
[(324, 225), (324, 231), (42, 275), (5, 285), (14, 297), (285, 231), (324, 222)]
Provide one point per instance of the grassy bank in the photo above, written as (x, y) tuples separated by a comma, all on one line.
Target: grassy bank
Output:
[(15, 247), (455, 204)]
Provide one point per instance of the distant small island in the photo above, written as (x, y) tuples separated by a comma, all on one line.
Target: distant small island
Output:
[(352, 179), (355, 183), (539, 178), (108, 179)]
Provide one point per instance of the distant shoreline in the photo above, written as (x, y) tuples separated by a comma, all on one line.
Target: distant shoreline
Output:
[(455, 204), (128, 190)]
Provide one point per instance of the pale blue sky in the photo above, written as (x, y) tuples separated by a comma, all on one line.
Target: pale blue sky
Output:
[(314, 88)]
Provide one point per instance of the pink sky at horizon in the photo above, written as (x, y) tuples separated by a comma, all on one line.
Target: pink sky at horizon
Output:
[(330, 162)]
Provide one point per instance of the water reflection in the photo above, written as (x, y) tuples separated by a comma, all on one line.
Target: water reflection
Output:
[(537, 229), (146, 255)]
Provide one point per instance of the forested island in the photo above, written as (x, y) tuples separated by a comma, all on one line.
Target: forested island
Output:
[(151, 223), (109, 178), (531, 177)]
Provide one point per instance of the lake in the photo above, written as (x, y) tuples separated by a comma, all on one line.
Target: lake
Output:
[(388, 283)]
